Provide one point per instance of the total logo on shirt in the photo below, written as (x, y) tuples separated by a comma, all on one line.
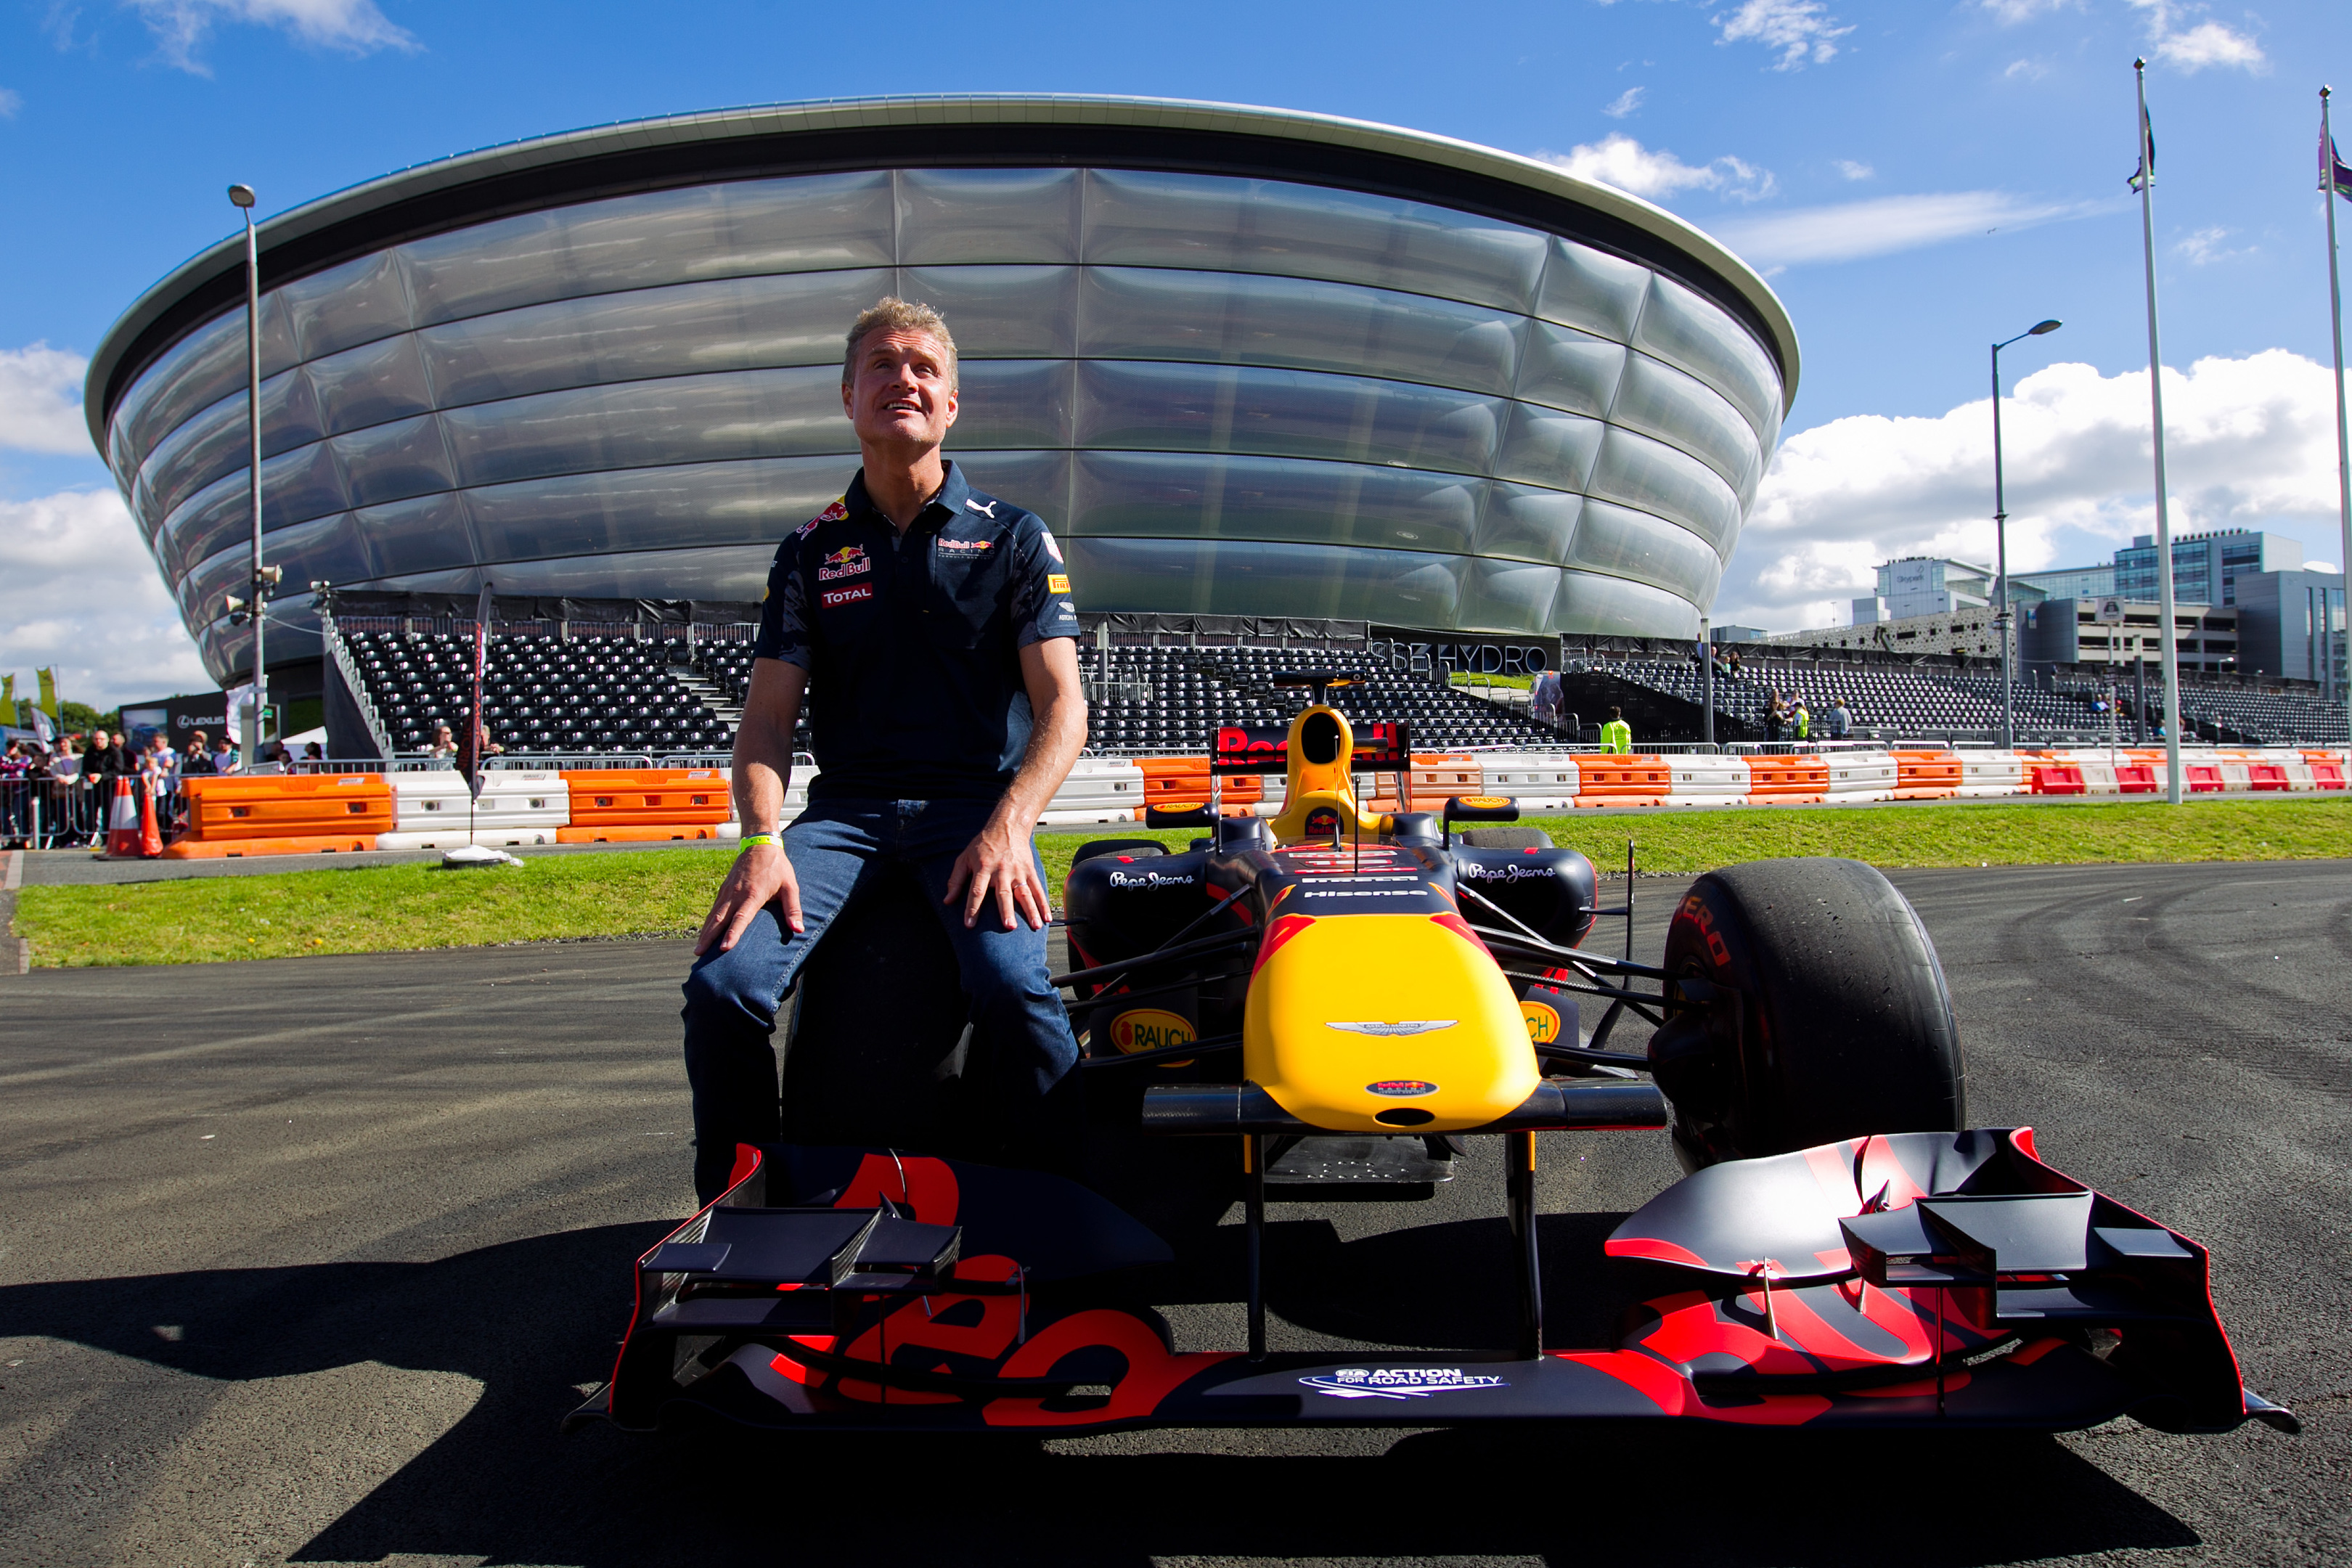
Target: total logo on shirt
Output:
[(832, 597), (849, 561)]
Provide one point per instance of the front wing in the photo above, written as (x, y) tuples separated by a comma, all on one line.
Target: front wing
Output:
[(1905, 1281)]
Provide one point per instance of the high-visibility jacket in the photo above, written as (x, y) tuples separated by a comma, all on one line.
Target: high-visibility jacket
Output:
[(1804, 724), (1617, 736)]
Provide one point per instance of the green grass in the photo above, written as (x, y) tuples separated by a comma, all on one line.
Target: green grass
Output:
[(667, 892)]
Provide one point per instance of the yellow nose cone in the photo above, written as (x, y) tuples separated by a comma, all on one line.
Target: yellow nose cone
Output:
[(1393, 1023)]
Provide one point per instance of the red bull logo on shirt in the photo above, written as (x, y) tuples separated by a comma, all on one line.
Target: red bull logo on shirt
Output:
[(849, 561)]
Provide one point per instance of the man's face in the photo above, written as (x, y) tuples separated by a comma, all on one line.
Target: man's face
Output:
[(899, 396)]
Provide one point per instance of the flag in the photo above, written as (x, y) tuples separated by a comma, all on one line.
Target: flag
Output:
[(476, 739), (2334, 174), (2143, 174), (42, 728), (48, 679), (7, 698)]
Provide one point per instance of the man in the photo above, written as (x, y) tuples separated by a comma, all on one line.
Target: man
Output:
[(1840, 721), (1617, 736), (198, 759), (1543, 698), (932, 627)]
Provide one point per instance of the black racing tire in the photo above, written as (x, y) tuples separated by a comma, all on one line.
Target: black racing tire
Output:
[(1845, 1024), (1505, 839)]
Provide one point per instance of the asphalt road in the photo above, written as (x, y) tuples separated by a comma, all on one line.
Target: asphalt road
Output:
[(302, 1260)]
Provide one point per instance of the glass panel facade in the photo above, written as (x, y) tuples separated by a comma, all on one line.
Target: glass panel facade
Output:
[(1224, 225), (1230, 394)]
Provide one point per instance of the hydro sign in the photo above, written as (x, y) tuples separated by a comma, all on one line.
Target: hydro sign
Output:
[(1409, 655)]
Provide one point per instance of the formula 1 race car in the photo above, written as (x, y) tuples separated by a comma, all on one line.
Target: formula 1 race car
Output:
[(1341, 995)]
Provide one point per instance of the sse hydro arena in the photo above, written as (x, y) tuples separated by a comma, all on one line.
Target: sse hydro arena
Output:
[(1244, 361)]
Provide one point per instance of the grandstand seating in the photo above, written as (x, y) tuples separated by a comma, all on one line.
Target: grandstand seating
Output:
[(1147, 698), (538, 693), (1896, 701)]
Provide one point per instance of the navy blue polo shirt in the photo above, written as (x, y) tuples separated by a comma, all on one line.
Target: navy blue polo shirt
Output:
[(912, 642)]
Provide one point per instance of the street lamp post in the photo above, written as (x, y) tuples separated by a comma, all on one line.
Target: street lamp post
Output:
[(244, 197), (2001, 617)]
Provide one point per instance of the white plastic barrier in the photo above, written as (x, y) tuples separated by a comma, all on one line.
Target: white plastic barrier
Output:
[(1991, 773), (431, 811), (1861, 775), (1537, 780), (1701, 779), (1100, 789)]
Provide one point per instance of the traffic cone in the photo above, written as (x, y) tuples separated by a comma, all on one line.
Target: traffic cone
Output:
[(122, 823), (151, 834)]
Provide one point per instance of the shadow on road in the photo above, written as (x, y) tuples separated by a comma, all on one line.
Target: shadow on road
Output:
[(530, 1319)]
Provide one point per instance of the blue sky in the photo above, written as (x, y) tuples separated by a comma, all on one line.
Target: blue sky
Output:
[(1858, 152)]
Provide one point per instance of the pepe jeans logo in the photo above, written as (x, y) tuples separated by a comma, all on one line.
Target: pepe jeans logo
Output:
[(1150, 879), (1399, 1381), (1512, 873), (849, 561)]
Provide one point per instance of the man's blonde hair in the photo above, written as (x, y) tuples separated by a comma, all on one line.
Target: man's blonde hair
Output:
[(891, 314)]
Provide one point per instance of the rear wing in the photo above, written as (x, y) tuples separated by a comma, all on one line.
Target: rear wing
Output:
[(1265, 747)]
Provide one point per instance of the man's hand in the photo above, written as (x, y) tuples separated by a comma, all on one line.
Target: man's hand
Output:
[(760, 876), (1000, 862)]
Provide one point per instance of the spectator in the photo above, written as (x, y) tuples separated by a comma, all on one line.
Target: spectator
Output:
[(1803, 717), (1543, 698), (16, 768), (225, 759), (1840, 721), (313, 752), (1776, 715), (444, 745), (1731, 662), (1617, 736), (197, 760)]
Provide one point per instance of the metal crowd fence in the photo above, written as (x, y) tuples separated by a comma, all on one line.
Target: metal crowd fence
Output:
[(66, 813)]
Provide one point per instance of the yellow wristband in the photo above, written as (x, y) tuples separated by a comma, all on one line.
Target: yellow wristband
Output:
[(753, 840)]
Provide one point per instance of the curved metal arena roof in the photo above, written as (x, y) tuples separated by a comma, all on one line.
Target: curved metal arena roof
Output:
[(987, 130)]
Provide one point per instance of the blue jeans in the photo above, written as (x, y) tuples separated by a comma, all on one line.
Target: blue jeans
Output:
[(732, 997)]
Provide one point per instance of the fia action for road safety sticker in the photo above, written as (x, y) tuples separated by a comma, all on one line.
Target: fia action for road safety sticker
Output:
[(1399, 1381)]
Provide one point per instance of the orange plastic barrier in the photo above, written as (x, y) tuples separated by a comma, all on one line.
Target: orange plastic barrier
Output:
[(648, 797), (1926, 775), (1173, 783), (1789, 778), (306, 806), (1606, 780), (2056, 778), (237, 849), (2326, 770), (623, 833)]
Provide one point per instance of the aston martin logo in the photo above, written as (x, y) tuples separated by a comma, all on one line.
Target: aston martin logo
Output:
[(1403, 1026)]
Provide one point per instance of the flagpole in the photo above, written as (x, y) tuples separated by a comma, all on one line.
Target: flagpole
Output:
[(2167, 640), (2343, 456)]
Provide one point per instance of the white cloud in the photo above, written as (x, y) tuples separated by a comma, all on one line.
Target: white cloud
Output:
[(11, 101), (1881, 225), (1624, 103), (2202, 44), (40, 400), (1853, 171), (78, 591), (1618, 160), (2031, 71), (351, 27), (2204, 246), (1799, 29), (2247, 443), (2010, 13)]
